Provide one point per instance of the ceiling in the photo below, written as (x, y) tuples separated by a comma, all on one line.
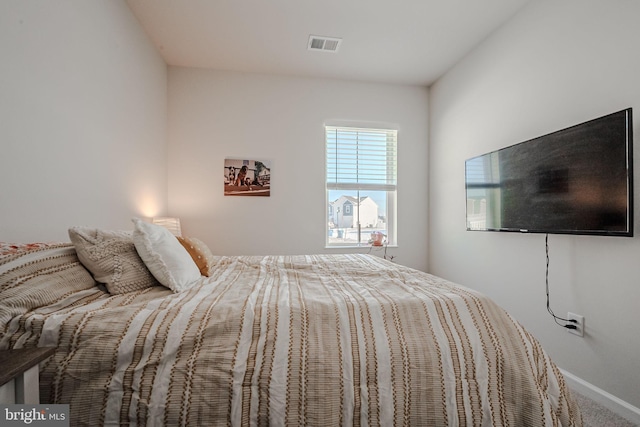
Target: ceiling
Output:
[(400, 42)]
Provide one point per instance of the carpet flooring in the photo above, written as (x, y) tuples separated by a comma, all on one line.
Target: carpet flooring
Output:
[(596, 415)]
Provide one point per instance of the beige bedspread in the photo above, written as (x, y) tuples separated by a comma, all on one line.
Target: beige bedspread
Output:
[(280, 340)]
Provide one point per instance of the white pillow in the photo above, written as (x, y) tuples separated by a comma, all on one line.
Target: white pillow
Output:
[(164, 256)]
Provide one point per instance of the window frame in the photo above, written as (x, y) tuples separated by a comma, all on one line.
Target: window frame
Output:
[(387, 185)]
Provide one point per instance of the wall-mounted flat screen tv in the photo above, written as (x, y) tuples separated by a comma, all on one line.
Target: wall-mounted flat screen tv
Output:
[(577, 180)]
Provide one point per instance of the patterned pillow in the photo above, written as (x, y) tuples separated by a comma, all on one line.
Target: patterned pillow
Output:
[(200, 253), (112, 259), (38, 276), (14, 248)]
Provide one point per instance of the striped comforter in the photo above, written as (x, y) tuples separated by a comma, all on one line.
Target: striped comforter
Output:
[(279, 340)]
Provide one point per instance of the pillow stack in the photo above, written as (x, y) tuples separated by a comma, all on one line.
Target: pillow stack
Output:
[(151, 255)]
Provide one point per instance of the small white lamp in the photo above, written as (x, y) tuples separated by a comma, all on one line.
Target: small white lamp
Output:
[(170, 223)]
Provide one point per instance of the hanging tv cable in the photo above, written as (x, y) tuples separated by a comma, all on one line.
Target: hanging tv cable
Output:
[(570, 322)]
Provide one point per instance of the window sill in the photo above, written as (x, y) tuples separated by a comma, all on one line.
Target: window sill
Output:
[(361, 247)]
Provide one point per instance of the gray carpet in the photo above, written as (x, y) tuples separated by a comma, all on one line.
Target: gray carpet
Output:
[(596, 415)]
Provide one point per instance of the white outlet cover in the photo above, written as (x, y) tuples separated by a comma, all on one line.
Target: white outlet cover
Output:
[(579, 331)]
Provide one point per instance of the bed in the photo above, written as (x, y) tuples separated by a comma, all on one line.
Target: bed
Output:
[(347, 339)]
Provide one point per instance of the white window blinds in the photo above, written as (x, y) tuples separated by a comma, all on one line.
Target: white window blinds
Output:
[(361, 159)]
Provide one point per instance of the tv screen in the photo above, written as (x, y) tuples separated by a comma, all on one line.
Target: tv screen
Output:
[(574, 181)]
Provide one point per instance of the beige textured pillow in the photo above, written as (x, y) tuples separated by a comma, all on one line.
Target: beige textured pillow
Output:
[(112, 259), (200, 253)]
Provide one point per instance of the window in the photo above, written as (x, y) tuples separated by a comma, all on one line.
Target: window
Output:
[(360, 185), (346, 208)]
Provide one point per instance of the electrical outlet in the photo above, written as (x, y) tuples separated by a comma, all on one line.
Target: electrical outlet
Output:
[(579, 331)]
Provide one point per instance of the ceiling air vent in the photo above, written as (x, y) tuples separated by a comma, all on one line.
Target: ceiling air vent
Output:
[(324, 44)]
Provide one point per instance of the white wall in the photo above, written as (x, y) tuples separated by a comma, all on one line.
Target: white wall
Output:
[(554, 65), (83, 118), (216, 114)]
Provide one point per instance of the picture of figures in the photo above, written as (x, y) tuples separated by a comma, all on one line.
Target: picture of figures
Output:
[(247, 177)]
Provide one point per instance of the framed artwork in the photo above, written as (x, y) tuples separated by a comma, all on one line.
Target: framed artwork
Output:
[(247, 177)]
